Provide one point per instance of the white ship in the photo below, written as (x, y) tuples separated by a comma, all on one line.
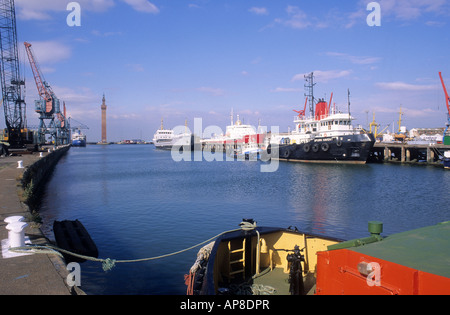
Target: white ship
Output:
[(237, 139), (165, 139)]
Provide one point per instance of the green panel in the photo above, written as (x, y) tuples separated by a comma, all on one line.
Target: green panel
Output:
[(447, 140), (426, 249)]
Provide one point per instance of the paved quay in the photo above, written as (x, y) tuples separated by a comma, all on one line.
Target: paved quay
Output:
[(35, 274)]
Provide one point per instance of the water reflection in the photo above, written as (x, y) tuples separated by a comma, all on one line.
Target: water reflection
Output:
[(136, 202)]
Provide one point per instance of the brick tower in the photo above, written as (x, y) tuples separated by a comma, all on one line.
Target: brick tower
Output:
[(104, 121)]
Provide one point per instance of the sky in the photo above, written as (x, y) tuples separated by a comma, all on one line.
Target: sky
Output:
[(185, 59)]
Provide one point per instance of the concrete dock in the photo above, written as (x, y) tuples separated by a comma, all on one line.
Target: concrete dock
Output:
[(408, 153), (36, 274)]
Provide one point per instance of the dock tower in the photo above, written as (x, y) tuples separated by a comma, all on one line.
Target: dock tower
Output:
[(104, 120)]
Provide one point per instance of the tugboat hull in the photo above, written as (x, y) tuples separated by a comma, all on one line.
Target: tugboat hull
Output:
[(352, 149)]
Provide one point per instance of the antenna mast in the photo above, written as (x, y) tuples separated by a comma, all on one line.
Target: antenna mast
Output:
[(309, 87)]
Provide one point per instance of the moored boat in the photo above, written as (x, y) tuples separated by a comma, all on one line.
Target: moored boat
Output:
[(447, 160), (166, 139), (277, 261), (78, 139), (258, 260), (239, 139), (326, 136)]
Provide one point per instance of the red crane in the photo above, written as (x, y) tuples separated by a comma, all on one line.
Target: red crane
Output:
[(302, 113), (44, 90), (447, 101), (447, 98), (329, 104)]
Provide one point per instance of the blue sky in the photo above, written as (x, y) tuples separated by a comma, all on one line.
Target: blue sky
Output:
[(184, 59)]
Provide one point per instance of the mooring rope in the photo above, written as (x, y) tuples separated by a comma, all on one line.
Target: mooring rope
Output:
[(108, 263)]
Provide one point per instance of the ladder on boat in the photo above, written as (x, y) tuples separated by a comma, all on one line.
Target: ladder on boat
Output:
[(236, 258)]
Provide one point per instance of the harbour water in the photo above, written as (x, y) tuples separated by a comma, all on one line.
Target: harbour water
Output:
[(137, 202)]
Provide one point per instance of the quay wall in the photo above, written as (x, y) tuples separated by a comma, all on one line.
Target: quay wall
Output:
[(419, 154), (36, 274), (36, 175)]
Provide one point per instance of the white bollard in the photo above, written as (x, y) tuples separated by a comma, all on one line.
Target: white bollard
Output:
[(41, 154), (16, 234), (19, 164), (16, 218), (13, 219)]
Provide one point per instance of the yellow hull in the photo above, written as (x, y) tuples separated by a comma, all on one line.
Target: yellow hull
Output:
[(261, 262)]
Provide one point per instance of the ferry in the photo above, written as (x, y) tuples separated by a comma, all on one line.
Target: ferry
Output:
[(256, 260), (326, 136), (78, 139), (165, 139)]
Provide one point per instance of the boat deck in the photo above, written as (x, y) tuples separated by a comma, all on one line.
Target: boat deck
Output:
[(270, 282), (274, 282)]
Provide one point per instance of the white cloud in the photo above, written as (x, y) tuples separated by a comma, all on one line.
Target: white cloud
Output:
[(324, 76), (142, 6), (402, 86), (410, 9), (404, 10), (297, 18), (259, 11), (42, 9), (280, 89), (360, 60), (49, 52), (212, 91), (409, 112), (80, 95)]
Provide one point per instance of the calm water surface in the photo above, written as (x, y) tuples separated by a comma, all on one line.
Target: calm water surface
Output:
[(136, 202)]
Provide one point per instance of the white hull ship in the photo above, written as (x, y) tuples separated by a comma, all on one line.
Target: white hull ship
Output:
[(165, 139), (239, 139)]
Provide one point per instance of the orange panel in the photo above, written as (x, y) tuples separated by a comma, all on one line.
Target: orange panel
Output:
[(337, 273)]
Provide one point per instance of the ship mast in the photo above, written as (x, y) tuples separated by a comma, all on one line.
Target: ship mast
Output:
[(309, 87), (348, 102)]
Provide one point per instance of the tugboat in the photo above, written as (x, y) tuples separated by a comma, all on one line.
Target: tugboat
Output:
[(326, 136), (257, 260)]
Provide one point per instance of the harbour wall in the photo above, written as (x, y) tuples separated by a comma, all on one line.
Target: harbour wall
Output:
[(20, 188), (419, 154), (36, 175)]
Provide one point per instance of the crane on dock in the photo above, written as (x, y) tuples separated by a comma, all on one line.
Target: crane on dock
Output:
[(374, 127), (446, 139), (51, 121), (399, 136), (14, 106)]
